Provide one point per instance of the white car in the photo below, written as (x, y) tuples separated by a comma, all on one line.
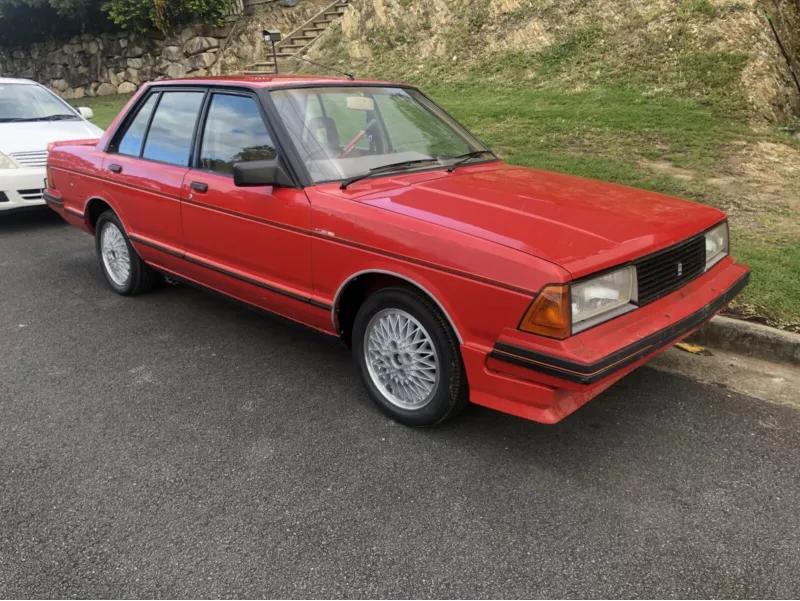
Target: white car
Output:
[(31, 117)]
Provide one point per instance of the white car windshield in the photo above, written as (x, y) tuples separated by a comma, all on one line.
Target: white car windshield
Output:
[(25, 102), (348, 132)]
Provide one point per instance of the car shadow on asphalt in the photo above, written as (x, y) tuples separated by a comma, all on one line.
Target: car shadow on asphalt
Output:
[(34, 218), (644, 401), (648, 413)]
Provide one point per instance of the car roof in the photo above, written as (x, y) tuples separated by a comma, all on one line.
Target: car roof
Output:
[(270, 81), (8, 80)]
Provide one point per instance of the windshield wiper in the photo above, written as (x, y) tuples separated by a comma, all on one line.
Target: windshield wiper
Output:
[(460, 160), (389, 167), (64, 117)]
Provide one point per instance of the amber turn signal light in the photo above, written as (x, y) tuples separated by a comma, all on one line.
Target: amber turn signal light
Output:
[(549, 314)]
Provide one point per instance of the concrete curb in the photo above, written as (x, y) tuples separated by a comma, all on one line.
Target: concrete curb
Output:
[(752, 339)]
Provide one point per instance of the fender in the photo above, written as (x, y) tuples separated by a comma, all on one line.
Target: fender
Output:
[(425, 288)]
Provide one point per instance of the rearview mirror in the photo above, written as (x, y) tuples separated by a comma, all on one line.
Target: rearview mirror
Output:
[(86, 112), (360, 103), (260, 173)]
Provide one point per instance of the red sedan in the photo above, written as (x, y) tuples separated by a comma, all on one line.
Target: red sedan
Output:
[(362, 209)]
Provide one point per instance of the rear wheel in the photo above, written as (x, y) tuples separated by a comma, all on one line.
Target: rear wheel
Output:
[(122, 267), (409, 358)]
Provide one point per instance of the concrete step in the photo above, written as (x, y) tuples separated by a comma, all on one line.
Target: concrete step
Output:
[(284, 67), (305, 39)]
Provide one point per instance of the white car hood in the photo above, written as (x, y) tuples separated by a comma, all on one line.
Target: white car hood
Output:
[(36, 135)]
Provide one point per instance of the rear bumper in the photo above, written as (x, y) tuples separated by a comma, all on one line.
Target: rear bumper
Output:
[(70, 214), (21, 188), (546, 380)]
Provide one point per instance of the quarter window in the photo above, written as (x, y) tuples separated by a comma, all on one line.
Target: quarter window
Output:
[(131, 142), (170, 137), (234, 133)]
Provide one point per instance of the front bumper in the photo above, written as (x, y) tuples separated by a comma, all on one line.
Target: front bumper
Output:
[(21, 188), (546, 380)]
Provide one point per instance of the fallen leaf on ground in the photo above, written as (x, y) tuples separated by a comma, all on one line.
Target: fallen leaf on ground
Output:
[(694, 349)]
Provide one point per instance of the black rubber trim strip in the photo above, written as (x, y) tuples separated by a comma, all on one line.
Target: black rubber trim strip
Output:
[(236, 276), (251, 281), (589, 373), (155, 245), (238, 301), (75, 212), (53, 200), (320, 305)]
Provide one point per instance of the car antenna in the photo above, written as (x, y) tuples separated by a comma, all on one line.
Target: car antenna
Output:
[(350, 76)]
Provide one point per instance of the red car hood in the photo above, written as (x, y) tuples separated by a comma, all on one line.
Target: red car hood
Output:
[(580, 224)]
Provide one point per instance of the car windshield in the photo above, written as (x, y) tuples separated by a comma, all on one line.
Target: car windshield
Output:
[(25, 102), (348, 132)]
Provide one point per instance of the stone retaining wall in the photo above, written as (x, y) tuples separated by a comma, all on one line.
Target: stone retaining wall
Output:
[(115, 63)]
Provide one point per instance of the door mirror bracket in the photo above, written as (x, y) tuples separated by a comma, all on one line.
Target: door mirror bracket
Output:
[(261, 173)]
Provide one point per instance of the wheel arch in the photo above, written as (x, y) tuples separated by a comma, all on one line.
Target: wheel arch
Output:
[(95, 207), (350, 292)]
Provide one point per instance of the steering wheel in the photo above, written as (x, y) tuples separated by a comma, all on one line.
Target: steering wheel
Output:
[(351, 145)]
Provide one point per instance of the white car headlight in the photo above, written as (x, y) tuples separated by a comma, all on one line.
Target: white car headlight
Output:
[(602, 298), (717, 245), (6, 163)]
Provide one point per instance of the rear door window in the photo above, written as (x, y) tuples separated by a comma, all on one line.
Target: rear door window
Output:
[(169, 139)]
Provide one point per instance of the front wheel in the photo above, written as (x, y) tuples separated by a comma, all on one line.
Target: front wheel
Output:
[(409, 358), (122, 267)]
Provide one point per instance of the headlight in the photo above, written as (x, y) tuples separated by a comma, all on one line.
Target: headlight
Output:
[(602, 298), (561, 310), (717, 245), (6, 163)]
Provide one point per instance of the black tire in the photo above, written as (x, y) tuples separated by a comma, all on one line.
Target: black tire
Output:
[(452, 393), (141, 278)]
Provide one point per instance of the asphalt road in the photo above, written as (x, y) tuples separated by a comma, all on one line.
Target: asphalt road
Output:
[(178, 445)]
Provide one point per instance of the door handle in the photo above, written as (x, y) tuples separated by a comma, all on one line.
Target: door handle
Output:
[(115, 168), (199, 187)]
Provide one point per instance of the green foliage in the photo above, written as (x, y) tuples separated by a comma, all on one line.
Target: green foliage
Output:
[(144, 15), (26, 21)]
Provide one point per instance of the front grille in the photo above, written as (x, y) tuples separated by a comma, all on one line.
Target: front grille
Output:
[(31, 159), (664, 272), (31, 194)]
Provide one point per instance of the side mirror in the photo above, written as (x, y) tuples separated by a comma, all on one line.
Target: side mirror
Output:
[(260, 173), (86, 112)]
